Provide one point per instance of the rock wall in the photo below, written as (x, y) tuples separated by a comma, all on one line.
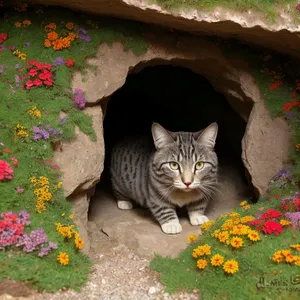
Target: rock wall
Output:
[(265, 144), (251, 27)]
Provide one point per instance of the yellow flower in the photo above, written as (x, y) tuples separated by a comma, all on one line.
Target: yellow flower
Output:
[(296, 247), (192, 238), (297, 260), (253, 235), (246, 207), (231, 266), (63, 258), (71, 216), (216, 233), (223, 236), (237, 242), (59, 185), (234, 214), (277, 257), (201, 264), (63, 214), (207, 225), (240, 229), (285, 222), (17, 52), (217, 260), (288, 256), (243, 203), (247, 219), (70, 25), (34, 112), (18, 24), (79, 243)]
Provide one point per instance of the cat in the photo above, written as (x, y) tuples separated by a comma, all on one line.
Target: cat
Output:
[(179, 169)]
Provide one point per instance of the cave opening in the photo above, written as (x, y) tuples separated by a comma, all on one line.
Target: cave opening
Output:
[(180, 100)]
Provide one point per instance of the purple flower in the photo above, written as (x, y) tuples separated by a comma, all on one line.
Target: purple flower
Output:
[(44, 251), (53, 245), (84, 31), (295, 219), (58, 61), (27, 44), (79, 99), (17, 79), (18, 66), (62, 121), (2, 47)]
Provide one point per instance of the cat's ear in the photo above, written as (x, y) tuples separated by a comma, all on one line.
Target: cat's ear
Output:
[(161, 136), (208, 136)]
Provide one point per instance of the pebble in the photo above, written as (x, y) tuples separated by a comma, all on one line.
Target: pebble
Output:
[(152, 290), (103, 281)]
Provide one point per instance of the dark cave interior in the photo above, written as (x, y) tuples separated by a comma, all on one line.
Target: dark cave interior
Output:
[(178, 99)]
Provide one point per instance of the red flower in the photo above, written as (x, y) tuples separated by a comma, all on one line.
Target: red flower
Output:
[(29, 84), (48, 82), (15, 161), (37, 82), (277, 197), (32, 72), (70, 62), (272, 227), (6, 150), (45, 75), (3, 37), (6, 172), (294, 95), (256, 224), (296, 203), (271, 213)]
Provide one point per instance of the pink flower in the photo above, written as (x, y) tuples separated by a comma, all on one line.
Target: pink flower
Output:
[(12, 48), (19, 190), (29, 84), (32, 72), (55, 166), (15, 161), (6, 171)]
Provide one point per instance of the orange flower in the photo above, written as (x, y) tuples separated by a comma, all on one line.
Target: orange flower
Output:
[(58, 44), (72, 36), (50, 27), (70, 25), (66, 43), (26, 23), (18, 24), (47, 43), (52, 36)]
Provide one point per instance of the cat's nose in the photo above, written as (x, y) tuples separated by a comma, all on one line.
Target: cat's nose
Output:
[(187, 183)]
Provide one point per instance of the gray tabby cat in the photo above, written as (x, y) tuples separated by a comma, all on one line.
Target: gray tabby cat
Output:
[(181, 172)]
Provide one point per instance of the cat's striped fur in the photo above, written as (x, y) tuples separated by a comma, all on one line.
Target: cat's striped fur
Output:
[(181, 171)]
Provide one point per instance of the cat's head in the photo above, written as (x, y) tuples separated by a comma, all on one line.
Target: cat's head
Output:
[(185, 160)]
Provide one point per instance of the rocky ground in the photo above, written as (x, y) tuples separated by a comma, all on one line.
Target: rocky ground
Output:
[(122, 244)]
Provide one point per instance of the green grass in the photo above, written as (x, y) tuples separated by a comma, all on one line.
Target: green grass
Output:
[(46, 273), (254, 261), (266, 8)]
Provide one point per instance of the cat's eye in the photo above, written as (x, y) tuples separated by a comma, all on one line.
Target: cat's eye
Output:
[(174, 165), (199, 165)]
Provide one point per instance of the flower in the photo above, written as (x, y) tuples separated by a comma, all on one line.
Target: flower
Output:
[(69, 62), (18, 24), (272, 227), (253, 235), (71, 217), (296, 247), (289, 258), (26, 23), (231, 266), (79, 243), (19, 190), (217, 260), (246, 207), (58, 61), (52, 36), (207, 225), (27, 44), (47, 43), (277, 257), (50, 26), (201, 264), (240, 229), (236, 242), (70, 25), (223, 236), (63, 258), (271, 213), (243, 203), (285, 222), (191, 238), (6, 172), (15, 161)]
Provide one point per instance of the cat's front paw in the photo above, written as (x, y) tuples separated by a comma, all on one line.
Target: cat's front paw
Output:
[(124, 204), (198, 220), (171, 227)]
